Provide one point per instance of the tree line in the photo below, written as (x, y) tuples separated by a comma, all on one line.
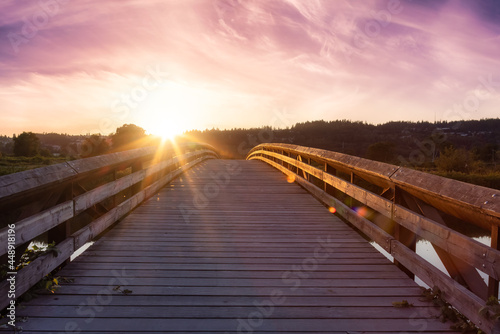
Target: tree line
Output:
[(465, 146), (29, 144), (392, 142)]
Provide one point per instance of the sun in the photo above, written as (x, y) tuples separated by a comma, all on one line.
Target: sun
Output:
[(167, 129), (170, 110)]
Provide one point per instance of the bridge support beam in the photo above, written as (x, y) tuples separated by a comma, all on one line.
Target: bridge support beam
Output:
[(459, 270)]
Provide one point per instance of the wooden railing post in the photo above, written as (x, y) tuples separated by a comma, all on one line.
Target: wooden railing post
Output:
[(307, 176), (328, 188), (137, 166), (286, 164), (299, 171), (62, 231), (350, 199), (403, 235), (493, 283)]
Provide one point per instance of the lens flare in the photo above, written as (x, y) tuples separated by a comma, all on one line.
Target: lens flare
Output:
[(332, 209), (362, 211)]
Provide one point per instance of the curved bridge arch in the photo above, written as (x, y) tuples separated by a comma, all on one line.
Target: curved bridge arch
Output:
[(413, 205)]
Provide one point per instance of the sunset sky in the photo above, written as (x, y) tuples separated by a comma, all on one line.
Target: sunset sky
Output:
[(89, 66)]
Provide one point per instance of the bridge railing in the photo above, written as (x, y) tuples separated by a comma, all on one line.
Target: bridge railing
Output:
[(73, 202), (394, 206)]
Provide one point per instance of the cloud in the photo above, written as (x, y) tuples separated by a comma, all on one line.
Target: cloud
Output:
[(373, 61)]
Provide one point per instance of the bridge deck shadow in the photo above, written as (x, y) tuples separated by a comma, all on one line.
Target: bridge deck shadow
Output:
[(232, 247)]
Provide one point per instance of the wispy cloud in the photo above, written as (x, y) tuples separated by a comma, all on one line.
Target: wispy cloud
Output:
[(63, 63)]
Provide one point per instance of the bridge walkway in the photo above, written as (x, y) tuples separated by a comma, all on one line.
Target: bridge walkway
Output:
[(231, 247)]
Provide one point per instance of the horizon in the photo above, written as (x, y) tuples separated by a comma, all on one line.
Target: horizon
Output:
[(261, 127), (168, 67)]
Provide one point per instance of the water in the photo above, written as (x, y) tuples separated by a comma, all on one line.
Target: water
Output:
[(424, 249), (42, 245)]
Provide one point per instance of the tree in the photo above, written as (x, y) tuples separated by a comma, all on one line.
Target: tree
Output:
[(456, 160), (128, 136), (26, 144), (383, 151), (92, 146)]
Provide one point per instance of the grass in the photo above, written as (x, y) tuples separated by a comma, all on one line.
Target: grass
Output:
[(9, 164)]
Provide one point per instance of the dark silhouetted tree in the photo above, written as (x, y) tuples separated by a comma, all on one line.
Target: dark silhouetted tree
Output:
[(94, 145), (128, 136), (26, 144), (383, 151)]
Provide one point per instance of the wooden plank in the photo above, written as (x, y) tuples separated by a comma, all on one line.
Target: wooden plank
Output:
[(247, 244), (157, 263), (18, 184), (417, 330), (95, 275), (99, 194), (204, 332), (226, 325), (184, 249), (227, 287), (221, 312), (22, 183), (472, 203), (31, 227), (272, 267), (227, 254), (93, 164), (412, 297), (222, 239)]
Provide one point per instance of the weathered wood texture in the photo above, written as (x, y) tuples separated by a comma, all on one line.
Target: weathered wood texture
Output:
[(422, 195), (478, 205), (20, 184), (165, 167), (232, 247)]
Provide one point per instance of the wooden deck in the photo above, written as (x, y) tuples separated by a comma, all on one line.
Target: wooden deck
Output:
[(232, 247)]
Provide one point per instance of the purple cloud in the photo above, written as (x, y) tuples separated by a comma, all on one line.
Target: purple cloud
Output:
[(375, 60)]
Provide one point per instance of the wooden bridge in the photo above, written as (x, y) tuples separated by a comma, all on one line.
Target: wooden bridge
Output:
[(184, 242)]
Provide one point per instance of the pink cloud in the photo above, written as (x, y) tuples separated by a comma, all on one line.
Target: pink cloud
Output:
[(317, 59)]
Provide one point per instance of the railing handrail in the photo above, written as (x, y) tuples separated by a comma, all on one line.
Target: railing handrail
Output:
[(407, 207), (44, 201), (21, 183)]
